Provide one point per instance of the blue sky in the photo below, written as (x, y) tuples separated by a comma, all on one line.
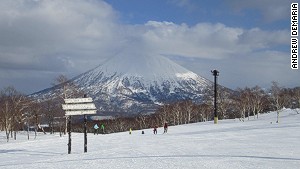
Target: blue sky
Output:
[(191, 12), (247, 41)]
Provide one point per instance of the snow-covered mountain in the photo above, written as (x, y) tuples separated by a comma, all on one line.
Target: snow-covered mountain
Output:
[(135, 84)]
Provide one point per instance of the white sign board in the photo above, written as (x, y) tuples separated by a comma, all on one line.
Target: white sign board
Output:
[(79, 100), (85, 106), (80, 112), (79, 106)]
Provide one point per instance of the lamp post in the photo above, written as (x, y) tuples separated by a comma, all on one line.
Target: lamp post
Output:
[(215, 74)]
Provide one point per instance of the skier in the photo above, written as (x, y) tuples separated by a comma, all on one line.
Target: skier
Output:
[(155, 130), (130, 131), (166, 127), (96, 127), (102, 128)]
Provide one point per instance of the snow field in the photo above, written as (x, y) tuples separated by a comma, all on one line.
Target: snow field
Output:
[(256, 143)]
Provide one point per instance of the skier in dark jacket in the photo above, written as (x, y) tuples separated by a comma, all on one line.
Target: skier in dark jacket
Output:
[(166, 127), (155, 130)]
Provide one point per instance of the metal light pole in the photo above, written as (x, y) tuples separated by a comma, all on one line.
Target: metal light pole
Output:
[(215, 73)]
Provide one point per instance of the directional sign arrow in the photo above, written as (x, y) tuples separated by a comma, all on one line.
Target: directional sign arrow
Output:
[(79, 100), (80, 112), (85, 106)]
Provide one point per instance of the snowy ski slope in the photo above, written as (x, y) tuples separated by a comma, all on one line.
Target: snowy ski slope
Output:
[(257, 143)]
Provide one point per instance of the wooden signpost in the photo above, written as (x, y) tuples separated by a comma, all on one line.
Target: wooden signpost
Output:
[(78, 106)]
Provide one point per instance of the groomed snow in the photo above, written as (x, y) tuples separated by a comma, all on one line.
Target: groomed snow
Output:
[(258, 143)]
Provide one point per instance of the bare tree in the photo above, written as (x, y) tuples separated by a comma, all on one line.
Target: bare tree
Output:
[(188, 110), (32, 115), (224, 103), (258, 100), (248, 98), (12, 105), (241, 103), (176, 113), (204, 112), (164, 113), (296, 98), (52, 110), (142, 120), (278, 101), (69, 90)]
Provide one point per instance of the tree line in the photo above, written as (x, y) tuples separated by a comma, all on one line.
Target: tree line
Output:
[(20, 112), (243, 104)]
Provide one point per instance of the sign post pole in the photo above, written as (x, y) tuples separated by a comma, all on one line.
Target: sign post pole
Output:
[(78, 106), (85, 135), (69, 132)]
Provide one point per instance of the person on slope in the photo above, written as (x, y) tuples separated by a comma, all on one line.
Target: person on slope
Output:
[(96, 127), (166, 127), (102, 128), (155, 129)]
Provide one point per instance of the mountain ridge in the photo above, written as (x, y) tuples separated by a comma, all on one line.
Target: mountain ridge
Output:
[(137, 84)]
